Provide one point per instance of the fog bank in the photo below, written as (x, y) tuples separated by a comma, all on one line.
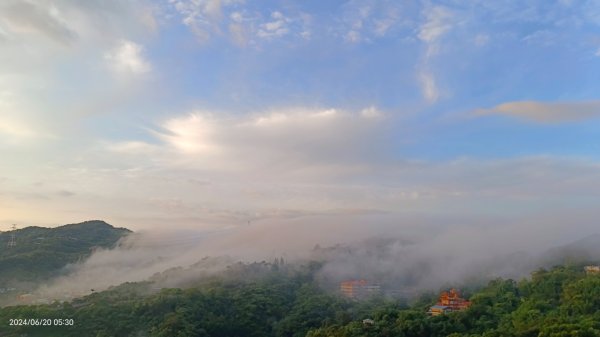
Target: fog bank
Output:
[(397, 251)]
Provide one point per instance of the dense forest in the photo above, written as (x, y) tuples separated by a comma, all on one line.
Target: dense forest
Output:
[(43, 253), (277, 299)]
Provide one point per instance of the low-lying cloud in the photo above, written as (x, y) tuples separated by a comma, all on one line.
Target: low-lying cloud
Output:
[(405, 253)]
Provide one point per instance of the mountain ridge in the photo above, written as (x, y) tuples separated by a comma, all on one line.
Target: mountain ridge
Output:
[(42, 252)]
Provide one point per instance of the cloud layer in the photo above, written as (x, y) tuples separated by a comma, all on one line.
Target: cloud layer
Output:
[(547, 112), (285, 140)]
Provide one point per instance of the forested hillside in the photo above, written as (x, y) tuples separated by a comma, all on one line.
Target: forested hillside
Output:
[(40, 253), (262, 299)]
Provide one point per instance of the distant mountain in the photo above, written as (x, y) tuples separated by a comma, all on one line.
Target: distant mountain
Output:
[(41, 253), (580, 251)]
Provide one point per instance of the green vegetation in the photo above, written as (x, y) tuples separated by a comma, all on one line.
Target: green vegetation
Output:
[(560, 302), (258, 299), (263, 299), (41, 253)]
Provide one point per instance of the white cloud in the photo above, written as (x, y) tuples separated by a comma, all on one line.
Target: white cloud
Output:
[(356, 20), (428, 86), (313, 160), (383, 25), (241, 28), (288, 139), (543, 38), (353, 36), (306, 26), (237, 17), (366, 21), (438, 22), (199, 11), (127, 58), (371, 112), (72, 23), (47, 46), (202, 16), (194, 133), (243, 25), (277, 27)]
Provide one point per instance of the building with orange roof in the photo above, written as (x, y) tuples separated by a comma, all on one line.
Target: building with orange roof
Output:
[(358, 288), (449, 301)]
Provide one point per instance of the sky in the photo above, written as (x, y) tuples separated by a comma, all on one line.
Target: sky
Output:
[(213, 114)]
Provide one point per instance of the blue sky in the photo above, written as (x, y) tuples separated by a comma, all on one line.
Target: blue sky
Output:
[(206, 113)]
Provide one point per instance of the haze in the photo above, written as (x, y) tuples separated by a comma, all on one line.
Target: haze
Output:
[(280, 125)]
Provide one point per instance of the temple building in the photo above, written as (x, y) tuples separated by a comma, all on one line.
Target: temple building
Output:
[(358, 289), (449, 301)]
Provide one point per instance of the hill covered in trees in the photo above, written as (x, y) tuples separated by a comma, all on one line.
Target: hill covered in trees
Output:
[(279, 299), (41, 253), (274, 299)]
